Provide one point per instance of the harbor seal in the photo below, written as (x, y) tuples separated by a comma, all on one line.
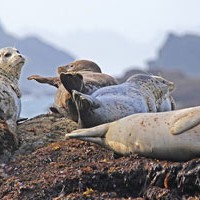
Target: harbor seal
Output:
[(82, 75), (140, 93), (11, 62), (172, 135)]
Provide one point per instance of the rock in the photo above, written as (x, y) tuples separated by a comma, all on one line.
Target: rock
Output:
[(7, 142), (46, 167), (42, 130)]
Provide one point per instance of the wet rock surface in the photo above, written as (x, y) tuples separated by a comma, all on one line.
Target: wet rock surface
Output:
[(8, 142), (47, 167)]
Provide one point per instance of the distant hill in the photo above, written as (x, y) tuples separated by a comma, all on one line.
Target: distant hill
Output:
[(179, 52), (42, 59), (111, 50)]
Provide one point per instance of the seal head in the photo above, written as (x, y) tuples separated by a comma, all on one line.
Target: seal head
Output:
[(79, 65), (11, 62)]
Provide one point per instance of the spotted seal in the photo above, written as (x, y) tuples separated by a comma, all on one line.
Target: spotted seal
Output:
[(172, 135), (140, 93), (11, 62)]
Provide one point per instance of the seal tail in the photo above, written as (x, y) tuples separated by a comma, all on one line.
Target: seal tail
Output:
[(72, 82), (184, 120), (96, 134), (83, 101)]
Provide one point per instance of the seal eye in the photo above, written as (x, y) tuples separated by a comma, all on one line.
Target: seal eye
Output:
[(18, 51), (7, 55), (163, 81)]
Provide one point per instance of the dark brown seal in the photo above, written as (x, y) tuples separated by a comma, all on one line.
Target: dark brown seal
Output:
[(83, 73)]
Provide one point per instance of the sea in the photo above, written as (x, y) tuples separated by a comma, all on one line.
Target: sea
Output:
[(32, 106)]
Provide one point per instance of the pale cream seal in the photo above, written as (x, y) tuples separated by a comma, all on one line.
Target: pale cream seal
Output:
[(172, 135)]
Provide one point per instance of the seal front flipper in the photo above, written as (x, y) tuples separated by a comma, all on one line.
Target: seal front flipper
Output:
[(184, 120), (54, 81), (83, 101), (173, 103), (151, 105), (72, 82)]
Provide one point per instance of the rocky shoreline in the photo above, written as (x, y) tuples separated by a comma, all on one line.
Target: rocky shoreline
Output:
[(45, 166)]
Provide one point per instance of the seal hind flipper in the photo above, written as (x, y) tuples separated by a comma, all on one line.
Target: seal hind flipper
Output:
[(95, 135), (53, 109), (54, 81), (72, 81), (185, 120), (83, 101)]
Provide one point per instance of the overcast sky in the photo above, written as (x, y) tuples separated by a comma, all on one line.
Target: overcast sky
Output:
[(139, 21)]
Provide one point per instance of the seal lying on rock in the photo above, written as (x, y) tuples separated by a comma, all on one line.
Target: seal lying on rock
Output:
[(173, 135), (11, 62), (82, 75), (140, 93)]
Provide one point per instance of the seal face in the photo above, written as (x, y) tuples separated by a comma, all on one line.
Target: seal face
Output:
[(140, 93), (172, 135), (11, 62)]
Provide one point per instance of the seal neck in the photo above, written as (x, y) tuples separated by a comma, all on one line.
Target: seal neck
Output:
[(12, 81)]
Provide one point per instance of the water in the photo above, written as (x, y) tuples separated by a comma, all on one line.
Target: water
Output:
[(33, 106)]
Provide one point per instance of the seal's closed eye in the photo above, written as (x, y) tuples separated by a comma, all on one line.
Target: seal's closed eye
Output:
[(8, 54)]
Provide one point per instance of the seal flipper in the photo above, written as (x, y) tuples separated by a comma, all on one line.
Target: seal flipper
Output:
[(96, 134), (185, 120), (72, 81), (173, 103), (83, 101), (54, 81)]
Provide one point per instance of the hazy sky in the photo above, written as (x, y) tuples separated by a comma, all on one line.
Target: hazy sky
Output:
[(138, 21)]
